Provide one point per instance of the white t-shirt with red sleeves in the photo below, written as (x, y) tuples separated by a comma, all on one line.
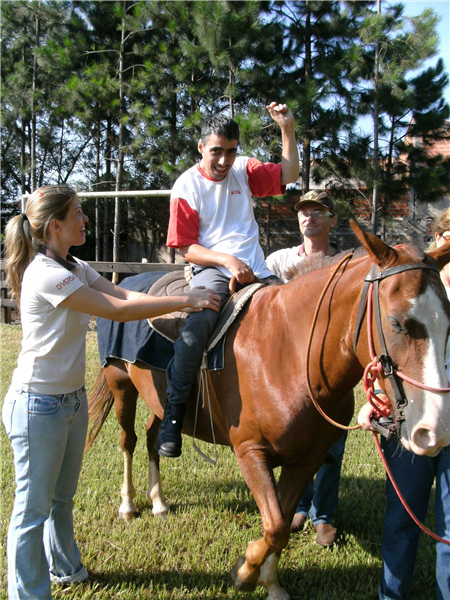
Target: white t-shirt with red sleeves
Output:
[(53, 355), (219, 214)]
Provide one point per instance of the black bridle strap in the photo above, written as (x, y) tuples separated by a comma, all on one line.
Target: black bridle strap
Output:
[(374, 276)]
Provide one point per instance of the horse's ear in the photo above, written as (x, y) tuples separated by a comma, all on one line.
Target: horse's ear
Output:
[(383, 255), (440, 255)]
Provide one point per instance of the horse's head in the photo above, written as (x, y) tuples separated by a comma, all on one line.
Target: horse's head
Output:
[(415, 321)]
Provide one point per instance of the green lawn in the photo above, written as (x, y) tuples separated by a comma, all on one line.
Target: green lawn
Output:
[(213, 516)]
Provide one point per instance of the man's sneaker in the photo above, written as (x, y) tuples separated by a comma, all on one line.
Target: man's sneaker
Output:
[(298, 522), (169, 438), (326, 534)]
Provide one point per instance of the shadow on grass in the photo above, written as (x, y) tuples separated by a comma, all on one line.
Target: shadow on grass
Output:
[(331, 583), (232, 496)]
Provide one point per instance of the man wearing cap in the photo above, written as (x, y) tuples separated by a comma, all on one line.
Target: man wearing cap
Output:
[(316, 217)]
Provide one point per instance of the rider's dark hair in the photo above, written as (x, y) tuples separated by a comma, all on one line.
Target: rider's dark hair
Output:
[(220, 125)]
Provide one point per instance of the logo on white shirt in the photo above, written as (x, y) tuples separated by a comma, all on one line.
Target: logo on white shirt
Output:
[(235, 192), (64, 282)]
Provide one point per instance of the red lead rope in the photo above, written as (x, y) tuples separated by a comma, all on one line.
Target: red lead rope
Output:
[(402, 500)]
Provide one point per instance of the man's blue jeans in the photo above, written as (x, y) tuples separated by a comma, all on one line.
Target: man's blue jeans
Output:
[(321, 503), (47, 435), (194, 336), (414, 476)]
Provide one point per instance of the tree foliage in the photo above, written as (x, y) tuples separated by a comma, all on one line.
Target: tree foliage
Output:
[(111, 95)]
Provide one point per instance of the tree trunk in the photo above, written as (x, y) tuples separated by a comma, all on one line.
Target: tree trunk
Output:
[(306, 159), (97, 181), (108, 156), (119, 167), (33, 112), (375, 137)]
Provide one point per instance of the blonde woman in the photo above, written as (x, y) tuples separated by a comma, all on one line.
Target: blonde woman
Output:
[(45, 411)]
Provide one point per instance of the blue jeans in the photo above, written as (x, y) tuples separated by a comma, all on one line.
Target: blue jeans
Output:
[(414, 476), (194, 335), (321, 503), (47, 435)]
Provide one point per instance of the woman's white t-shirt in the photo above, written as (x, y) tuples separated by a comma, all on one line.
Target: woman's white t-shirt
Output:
[(53, 355)]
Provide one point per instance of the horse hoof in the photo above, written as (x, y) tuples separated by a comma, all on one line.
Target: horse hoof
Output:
[(278, 594), (161, 515), (129, 516), (239, 585)]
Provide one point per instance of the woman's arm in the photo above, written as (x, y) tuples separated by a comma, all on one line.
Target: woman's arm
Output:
[(104, 285), (94, 302)]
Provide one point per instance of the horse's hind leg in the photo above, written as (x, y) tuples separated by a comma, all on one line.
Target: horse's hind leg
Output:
[(159, 507), (125, 396)]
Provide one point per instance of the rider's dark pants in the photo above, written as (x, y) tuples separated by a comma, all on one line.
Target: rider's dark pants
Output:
[(194, 336)]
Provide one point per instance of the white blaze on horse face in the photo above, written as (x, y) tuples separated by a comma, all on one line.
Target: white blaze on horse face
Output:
[(429, 420)]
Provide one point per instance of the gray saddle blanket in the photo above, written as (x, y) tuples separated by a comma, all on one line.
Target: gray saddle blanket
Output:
[(137, 341), (169, 325)]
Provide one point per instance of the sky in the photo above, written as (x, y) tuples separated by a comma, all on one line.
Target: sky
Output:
[(442, 8)]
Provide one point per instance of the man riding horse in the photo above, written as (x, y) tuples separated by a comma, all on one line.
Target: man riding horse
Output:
[(213, 225)]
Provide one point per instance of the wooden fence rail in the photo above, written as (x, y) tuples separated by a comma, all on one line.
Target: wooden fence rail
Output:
[(127, 268)]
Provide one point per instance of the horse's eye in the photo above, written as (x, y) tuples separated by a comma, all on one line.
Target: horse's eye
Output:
[(395, 325)]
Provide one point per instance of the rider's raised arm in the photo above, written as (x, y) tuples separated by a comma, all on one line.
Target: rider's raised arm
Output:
[(282, 115)]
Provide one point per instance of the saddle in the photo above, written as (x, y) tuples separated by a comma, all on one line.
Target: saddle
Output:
[(169, 325)]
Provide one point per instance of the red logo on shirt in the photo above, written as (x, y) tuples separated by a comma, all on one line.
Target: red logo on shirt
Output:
[(64, 282), (235, 192)]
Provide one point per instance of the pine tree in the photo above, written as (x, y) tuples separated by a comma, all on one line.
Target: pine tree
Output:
[(317, 74), (406, 103)]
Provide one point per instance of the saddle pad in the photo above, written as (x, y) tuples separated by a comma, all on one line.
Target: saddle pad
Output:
[(134, 340), (169, 325), (171, 284)]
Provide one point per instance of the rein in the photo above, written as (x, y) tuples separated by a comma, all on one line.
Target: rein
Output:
[(344, 260)]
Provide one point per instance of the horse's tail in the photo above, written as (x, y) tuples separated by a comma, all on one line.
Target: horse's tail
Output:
[(100, 403)]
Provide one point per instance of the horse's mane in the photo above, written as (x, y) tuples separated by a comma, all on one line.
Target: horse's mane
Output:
[(318, 260)]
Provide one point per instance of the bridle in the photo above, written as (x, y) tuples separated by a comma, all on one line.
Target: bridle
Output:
[(379, 364), (382, 363)]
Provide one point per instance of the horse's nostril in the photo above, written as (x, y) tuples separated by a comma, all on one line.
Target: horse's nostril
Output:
[(424, 438)]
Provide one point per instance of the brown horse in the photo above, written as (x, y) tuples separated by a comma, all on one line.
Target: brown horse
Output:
[(260, 404)]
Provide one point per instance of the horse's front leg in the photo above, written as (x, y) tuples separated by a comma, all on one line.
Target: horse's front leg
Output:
[(159, 507), (291, 485), (248, 569)]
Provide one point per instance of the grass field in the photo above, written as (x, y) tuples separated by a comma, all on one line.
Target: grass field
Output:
[(213, 516)]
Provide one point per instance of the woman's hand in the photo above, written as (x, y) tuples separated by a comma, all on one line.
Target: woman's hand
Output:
[(365, 414), (368, 412), (200, 298)]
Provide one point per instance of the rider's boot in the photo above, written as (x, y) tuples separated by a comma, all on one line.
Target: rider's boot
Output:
[(169, 437)]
